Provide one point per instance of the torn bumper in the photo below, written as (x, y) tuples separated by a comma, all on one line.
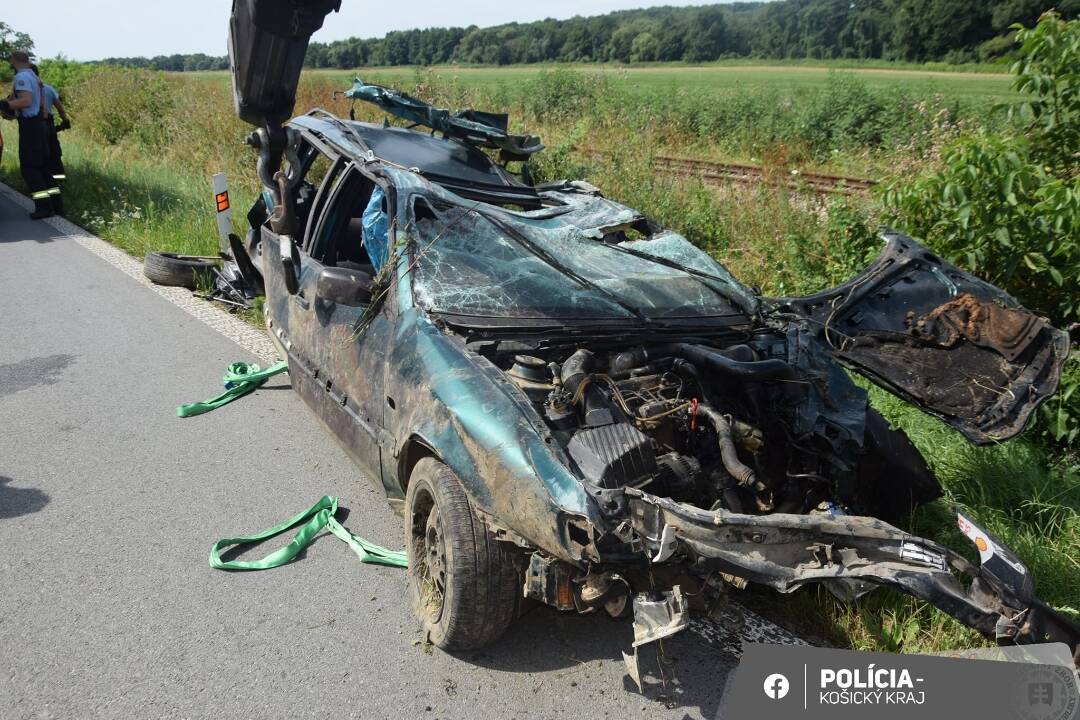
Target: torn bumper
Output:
[(851, 555)]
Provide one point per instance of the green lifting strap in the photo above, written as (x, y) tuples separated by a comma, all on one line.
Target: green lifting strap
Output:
[(240, 379), (311, 522)]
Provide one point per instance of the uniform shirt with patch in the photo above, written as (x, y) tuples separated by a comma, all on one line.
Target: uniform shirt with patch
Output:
[(27, 81)]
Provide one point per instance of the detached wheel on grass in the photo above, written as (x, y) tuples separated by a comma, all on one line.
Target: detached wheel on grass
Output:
[(175, 270), (464, 585)]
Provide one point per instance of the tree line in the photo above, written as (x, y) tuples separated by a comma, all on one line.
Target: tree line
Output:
[(909, 30), (11, 39), (173, 63)]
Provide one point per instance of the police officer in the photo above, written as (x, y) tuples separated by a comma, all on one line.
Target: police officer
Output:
[(28, 103), (52, 137)]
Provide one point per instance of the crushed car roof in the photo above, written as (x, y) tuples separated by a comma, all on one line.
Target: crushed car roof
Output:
[(452, 163), (483, 129)]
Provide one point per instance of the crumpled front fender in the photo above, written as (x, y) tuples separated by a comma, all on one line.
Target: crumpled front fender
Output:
[(787, 551), (463, 409)]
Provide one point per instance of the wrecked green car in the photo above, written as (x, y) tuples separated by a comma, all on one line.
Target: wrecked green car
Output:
[(572, 404)]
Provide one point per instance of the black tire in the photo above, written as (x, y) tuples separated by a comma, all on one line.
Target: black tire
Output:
[(175, 270), (469, 598)]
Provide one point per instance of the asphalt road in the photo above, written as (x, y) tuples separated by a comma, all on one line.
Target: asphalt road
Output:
[(109, 504)]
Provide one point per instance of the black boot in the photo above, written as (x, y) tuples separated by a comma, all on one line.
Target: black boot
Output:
[(58, 204), (42, 209)]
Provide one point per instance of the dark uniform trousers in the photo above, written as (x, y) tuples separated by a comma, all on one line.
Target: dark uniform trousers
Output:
[(56, 164), (56, 153), (34, 159)]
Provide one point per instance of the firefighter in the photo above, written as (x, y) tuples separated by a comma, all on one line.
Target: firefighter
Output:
[(52, 136), (28, 103)]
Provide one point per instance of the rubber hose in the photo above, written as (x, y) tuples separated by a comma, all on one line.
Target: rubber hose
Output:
[(576, 368), (739, 470), (705, 357)]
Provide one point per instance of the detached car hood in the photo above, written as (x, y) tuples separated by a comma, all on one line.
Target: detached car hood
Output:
[(943, 340)]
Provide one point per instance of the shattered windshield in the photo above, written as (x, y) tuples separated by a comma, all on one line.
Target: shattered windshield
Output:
[(469, 264)]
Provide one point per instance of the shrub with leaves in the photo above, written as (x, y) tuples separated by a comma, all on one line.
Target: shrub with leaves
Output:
[(1060, 415), (562, 94), (1048, 73), (999, 212), (62, 73), (115, 104), (1007, 206)]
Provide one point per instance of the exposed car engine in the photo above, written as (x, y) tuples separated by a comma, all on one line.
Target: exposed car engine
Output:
[(757, 426)]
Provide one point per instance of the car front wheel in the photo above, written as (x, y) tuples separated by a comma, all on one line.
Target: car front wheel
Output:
[(464, 585)]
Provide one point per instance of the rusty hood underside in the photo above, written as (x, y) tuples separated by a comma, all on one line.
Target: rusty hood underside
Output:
[(947, 342)]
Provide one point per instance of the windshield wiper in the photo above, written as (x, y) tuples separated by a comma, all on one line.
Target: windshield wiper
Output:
[(550, 260)]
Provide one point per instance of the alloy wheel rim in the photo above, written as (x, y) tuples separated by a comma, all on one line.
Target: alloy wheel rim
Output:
[(430, 550)]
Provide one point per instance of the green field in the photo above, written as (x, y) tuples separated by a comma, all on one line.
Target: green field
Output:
[(986, 85), (982, 85)]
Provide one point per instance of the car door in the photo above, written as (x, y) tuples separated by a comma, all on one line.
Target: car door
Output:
[(348, 344), (335, 368), (953, 345), (320, 168)]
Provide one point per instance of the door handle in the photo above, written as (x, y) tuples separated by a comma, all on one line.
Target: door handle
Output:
[(302, 301)]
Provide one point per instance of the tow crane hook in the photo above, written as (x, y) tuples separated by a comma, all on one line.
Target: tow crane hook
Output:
[(272, 142)]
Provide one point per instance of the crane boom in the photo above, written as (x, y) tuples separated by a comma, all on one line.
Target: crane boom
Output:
[(267, 43)]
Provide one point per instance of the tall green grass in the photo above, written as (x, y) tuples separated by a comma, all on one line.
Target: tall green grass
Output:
[(137, 203), (1027, 497)]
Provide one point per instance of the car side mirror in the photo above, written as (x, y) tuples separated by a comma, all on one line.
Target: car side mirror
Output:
[(343, 286)]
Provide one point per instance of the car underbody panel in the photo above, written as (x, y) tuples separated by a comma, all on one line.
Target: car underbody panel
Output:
[(940, 338)]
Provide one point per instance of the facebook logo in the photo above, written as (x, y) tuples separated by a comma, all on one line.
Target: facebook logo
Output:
[(777, 686)]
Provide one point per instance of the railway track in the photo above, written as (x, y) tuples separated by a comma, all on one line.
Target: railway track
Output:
[(714, 173)]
